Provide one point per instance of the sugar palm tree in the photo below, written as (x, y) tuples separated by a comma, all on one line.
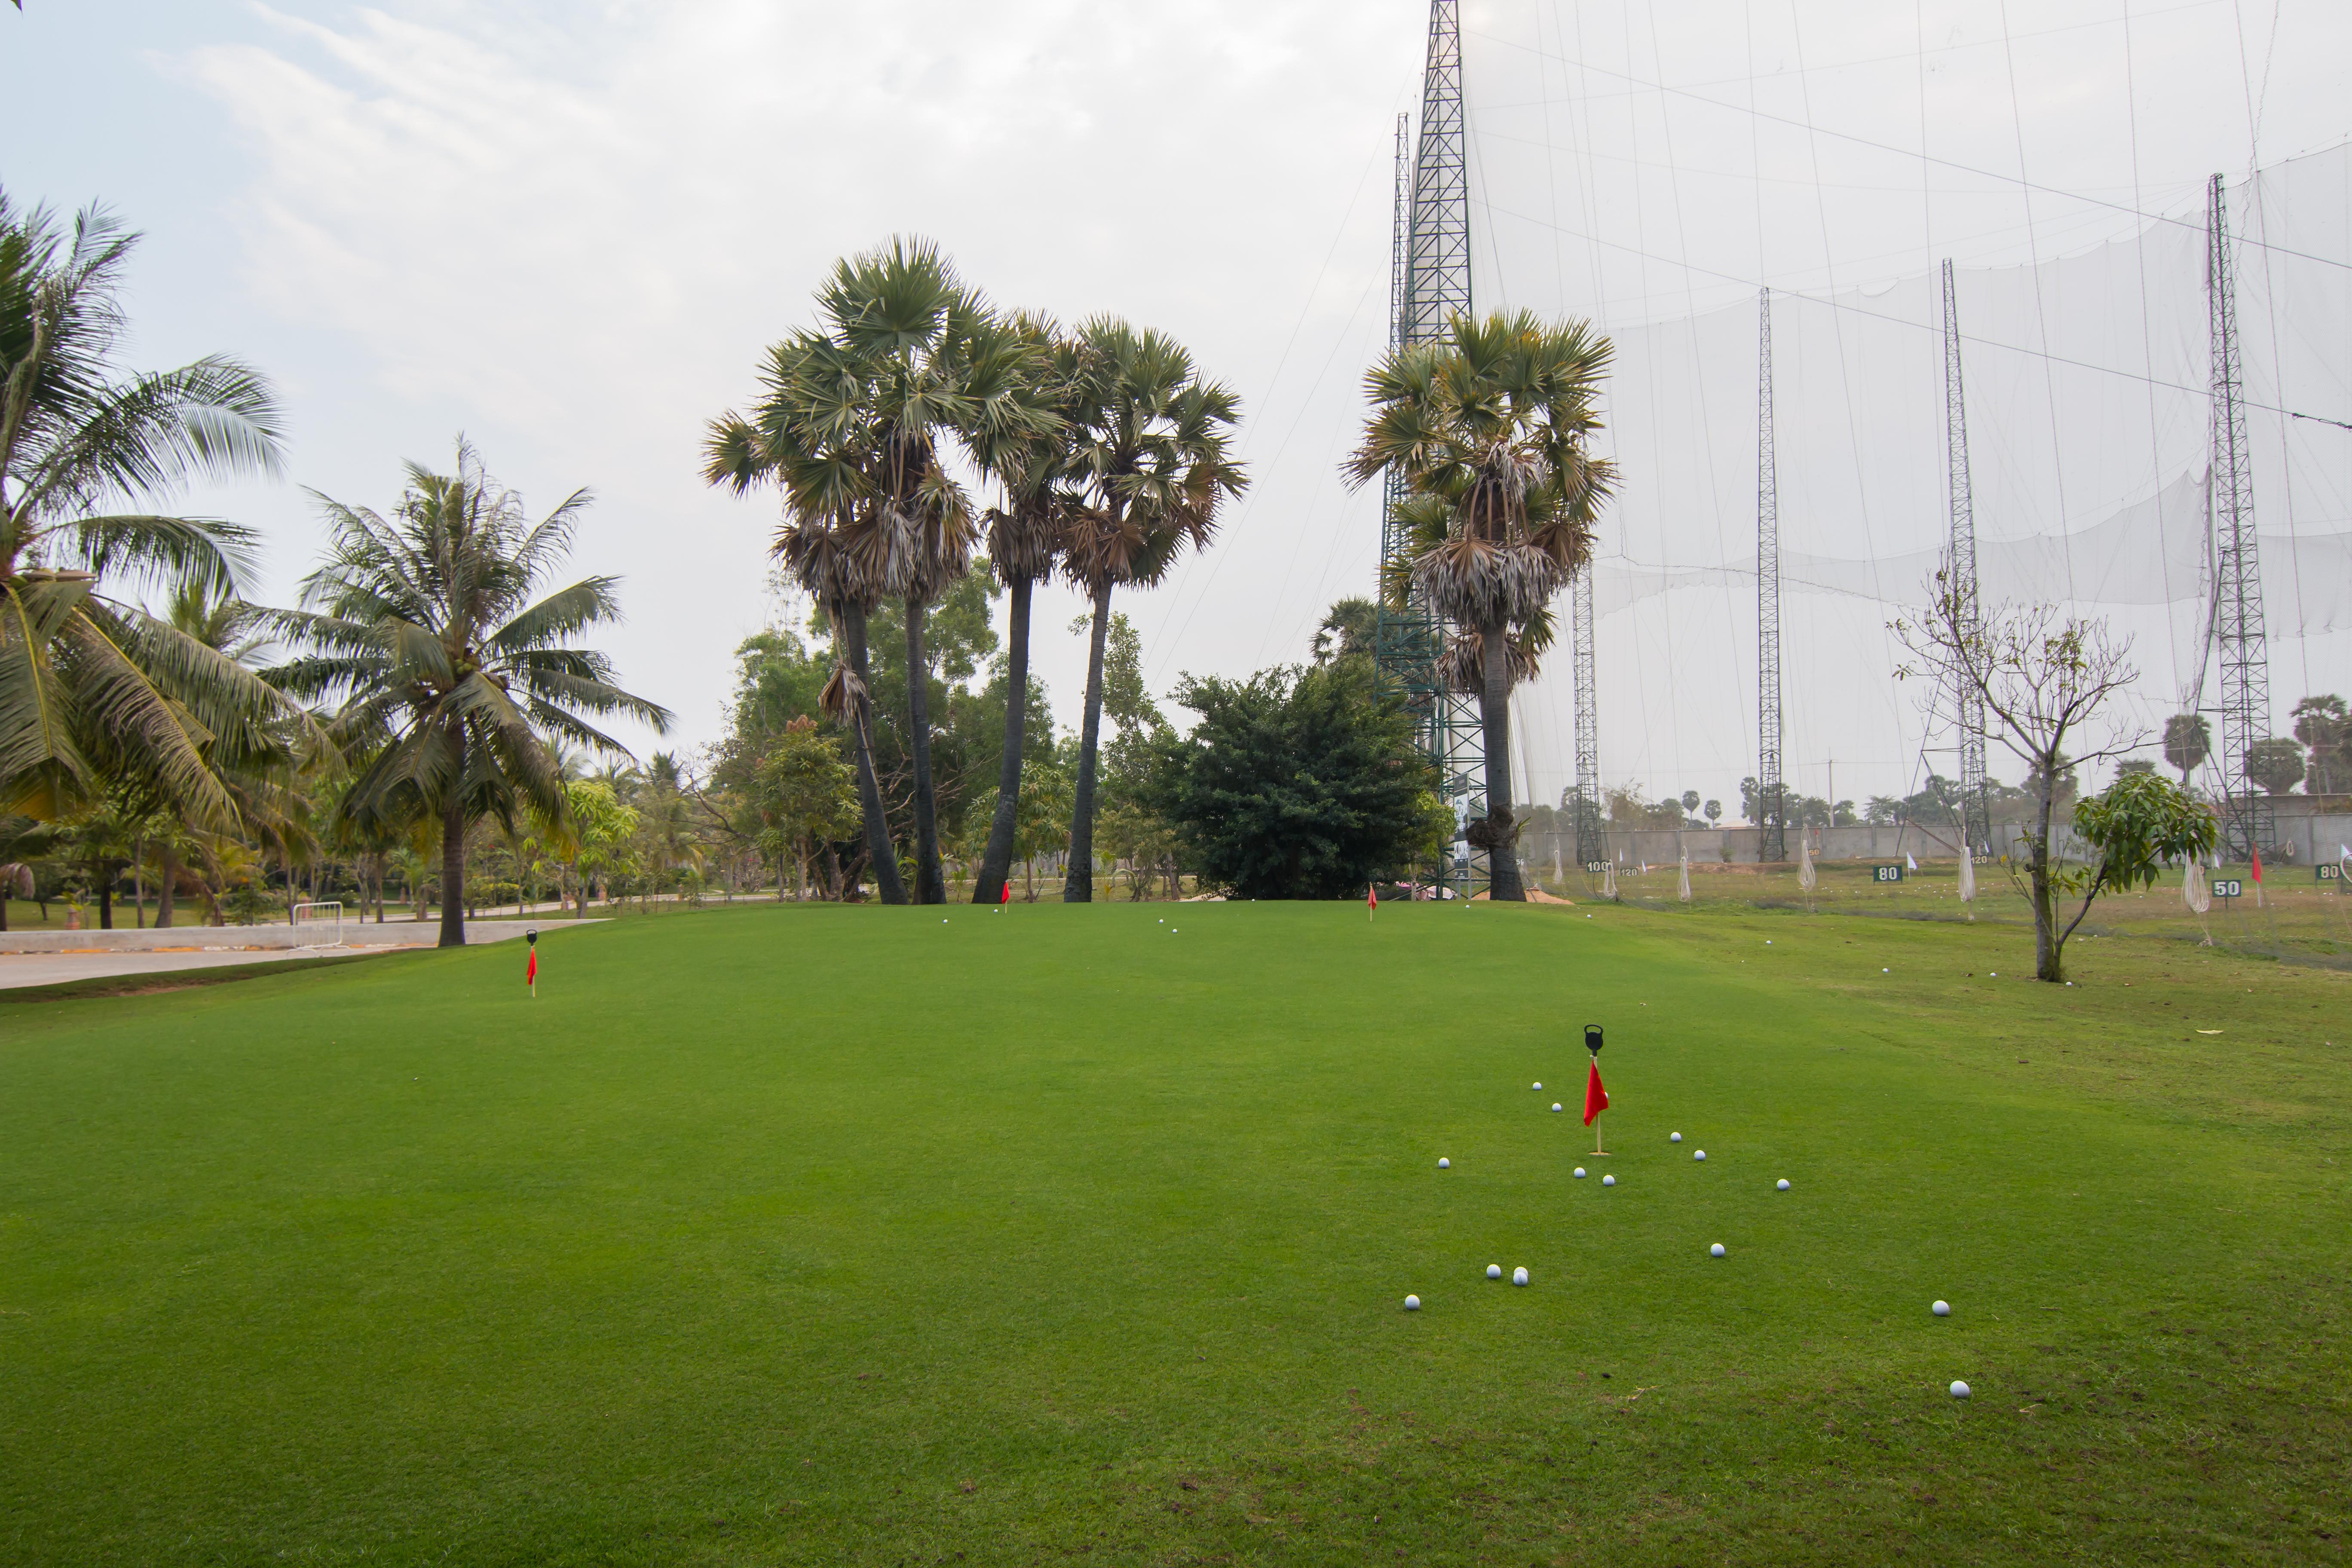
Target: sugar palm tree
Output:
[(792, 440), (447, 673), (1488, 428), (1150, 467), (95, 692), (853, 424), (1032, 465)]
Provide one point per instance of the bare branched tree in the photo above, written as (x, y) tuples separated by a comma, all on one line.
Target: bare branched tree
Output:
[(2043, 679)]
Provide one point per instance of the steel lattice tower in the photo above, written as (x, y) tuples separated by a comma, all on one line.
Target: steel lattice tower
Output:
[(1960, 564), (1774, 845), (2247, 822), (1429, 286), (1591, 843)]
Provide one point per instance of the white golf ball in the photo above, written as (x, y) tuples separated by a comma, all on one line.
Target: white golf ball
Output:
[(1715, 1251), (1412, 1303), (1674, 1137), (1444, 1164), (1700, 1155), (1886, 972), (1959, 1390), (1494, 1271), (1942, 1309), (1518, 1276), (1555, 1105), (943, 923), (1580, 1172), (1608, 1181), (1536, 1086)]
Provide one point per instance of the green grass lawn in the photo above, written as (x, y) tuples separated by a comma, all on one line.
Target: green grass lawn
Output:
[(822, 1234)]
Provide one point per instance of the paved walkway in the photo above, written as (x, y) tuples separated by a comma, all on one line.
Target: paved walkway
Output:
[(173, 950)]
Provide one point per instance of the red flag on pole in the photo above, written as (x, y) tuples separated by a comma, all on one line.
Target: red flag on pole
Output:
[(1371, 900), (2258, 865), (531, 970), (1008, 891), (1596, 1099)]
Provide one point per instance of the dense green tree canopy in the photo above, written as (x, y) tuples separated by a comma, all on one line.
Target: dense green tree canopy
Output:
[(1296, 784)]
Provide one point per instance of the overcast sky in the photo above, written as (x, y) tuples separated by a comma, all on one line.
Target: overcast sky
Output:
[(568, 230)]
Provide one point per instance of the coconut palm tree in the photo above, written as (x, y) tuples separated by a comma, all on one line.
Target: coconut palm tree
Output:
[(1149, 466), (1032, 465), (95, 692), (1488, 428), (447, 672)]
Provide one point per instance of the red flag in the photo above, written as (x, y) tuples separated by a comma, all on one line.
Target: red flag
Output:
[(2258, 866), (1371, 896), (1008, 891), (1596, 1099), (531, 970)]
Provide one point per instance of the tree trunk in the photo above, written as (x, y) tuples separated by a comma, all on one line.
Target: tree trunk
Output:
[(1078, 884), (2045, 907), (452, 875), (996, 861), (1495, 719), (879, 850), (105, 898), (931, 882)]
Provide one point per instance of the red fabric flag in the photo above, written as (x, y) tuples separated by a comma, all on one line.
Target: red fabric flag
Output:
[(531, 970), (1371, 896), (2258, 865), (1596, 1099), (1008, 891)]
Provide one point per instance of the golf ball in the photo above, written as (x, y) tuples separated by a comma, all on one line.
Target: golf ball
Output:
[(943, 923), (1608, 1181), (1494, 1271), (1715, 1251), (1580, 1172), (1942, 1309), (1700, 1155), (1784, 1184), (1555, 1105), (1674, 1137), (1959, 1390), (1444, 1164), (1518, 1276), (1412, 1303), (1538, 1086)]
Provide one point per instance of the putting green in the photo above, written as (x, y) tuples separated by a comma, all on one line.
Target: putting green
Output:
[(842, 1235)]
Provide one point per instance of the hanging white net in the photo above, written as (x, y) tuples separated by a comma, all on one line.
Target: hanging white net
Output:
[(2087, 415)]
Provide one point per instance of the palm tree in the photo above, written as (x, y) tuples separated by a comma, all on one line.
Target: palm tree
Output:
[(1024, 543), (95, 692), (852, 426), (794, 439), (1489, 429), (447, 672), (1150, 467)]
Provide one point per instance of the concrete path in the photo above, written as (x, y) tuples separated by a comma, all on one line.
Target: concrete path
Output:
[(213, 947)]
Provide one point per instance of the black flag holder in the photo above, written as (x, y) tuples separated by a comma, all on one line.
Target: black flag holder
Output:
[(1592, 1044)]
